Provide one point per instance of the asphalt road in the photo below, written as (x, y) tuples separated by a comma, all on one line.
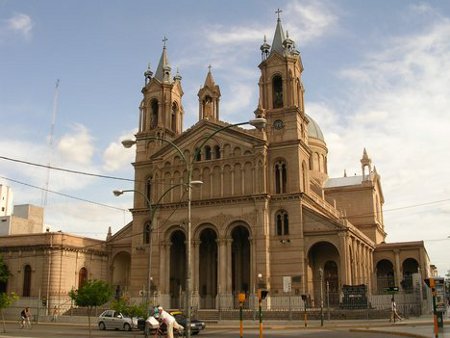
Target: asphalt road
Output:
[(81, 331)]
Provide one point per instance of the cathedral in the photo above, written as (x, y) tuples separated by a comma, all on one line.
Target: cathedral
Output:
[(251, 207), (266, 212)]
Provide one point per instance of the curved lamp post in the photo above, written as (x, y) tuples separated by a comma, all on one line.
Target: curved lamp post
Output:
[(258, 123)]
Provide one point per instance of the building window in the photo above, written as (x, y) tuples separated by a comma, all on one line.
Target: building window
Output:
[(282, 223), (207, 152), (148, 188), (280, 177), (147, 232), (174, 117), (277, 88), (198, 155), (26, 292), (82, 277), (154, 108), (216, 152)]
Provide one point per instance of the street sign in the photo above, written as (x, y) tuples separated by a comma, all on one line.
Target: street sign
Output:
[(287, 283), (441, 305)]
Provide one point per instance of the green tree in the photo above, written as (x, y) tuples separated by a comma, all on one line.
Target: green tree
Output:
[(93, 293), (5, 299), (4, 272), (123, 306)]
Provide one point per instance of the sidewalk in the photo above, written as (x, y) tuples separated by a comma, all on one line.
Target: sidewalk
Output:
[(419, 327)]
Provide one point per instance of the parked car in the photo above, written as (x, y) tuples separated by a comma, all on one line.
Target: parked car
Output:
[(196, 325), (111, 319), (152, 325)]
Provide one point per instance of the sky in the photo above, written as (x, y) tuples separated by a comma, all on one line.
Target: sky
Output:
[(376, 73)]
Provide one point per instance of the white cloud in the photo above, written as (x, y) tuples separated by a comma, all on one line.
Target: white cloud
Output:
[(20, 23), (221, 35), (76, 147), (399, 110), (308, 20), (312, 19), (241, 96), (116, 157)]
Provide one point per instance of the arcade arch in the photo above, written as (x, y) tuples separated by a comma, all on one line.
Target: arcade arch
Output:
[(121, 271), (323, 256)]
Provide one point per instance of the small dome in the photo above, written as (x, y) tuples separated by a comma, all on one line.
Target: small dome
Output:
[(314, 129)]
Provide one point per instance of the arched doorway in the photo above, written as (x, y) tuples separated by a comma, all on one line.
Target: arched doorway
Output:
[(323, 257), (385, 275), (240, 260), (410, 266), (208, 269), (177, 268), (121, 271)]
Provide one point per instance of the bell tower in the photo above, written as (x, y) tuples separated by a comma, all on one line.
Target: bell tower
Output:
[(281, 91), (208, 99), (161, 111)]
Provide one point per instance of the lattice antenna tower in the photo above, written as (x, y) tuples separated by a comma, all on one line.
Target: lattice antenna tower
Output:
[(50, 143)]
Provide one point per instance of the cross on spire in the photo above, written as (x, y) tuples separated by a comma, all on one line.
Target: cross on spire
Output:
[(209, 68), (278, 11), (164, 41)]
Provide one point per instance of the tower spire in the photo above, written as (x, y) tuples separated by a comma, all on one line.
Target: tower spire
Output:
[(163, 73), (278, 38)]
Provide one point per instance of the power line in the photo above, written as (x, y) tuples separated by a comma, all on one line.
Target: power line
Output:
[(64, 195), (66, 170)]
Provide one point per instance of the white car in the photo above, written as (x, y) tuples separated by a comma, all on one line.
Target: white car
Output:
[(111, 319)]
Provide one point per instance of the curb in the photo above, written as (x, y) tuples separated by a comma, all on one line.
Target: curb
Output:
[(392, 333)]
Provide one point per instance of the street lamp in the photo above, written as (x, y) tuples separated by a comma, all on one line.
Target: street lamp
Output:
[(321, 295), (258, 123)]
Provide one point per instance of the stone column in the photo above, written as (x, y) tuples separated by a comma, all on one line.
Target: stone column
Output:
[(196, 265), (397, 268), (222, 265), (344, 259)]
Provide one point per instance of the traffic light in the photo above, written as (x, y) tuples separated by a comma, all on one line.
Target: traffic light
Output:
[(430, 282), (262, 294)]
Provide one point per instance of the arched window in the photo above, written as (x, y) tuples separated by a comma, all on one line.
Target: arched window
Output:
[(282, 223), (82, 277), (173, 121), (277, 91), (198, 156), (385, 274), (26, 292), (154, 108), (148, 188), (147, 232), (207, 152), (216, 152), (280, 177)]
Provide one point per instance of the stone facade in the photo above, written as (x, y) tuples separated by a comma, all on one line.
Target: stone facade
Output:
[(49, 265), (266, 210)]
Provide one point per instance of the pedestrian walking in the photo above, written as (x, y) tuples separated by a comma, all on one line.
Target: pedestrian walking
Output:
[(394, 313), (54, 314), (25, 316)]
